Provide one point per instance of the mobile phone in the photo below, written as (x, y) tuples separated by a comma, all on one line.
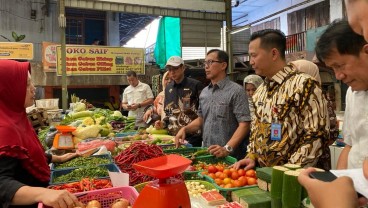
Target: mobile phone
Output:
[(323, 176), (327, 177)]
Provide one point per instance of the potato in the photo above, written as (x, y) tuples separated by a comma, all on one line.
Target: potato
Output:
[(120, 203), (93, 204)]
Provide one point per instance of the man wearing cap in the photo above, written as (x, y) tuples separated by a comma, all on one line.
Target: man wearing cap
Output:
[(181, 100)]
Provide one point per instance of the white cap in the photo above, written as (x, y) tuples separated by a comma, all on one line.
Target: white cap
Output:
[(174, 61)]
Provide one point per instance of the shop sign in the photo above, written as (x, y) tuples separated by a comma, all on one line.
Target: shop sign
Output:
[(94, 60), (49, 56), (14, 50)]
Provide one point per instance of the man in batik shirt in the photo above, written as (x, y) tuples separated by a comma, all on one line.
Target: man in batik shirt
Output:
[(291, 123)]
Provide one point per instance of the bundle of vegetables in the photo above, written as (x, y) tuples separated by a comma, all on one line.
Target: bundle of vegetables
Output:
[(79, 173), (83, 161), (86, 184), (137, 152)]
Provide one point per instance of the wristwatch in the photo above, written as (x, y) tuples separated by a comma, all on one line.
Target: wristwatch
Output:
[(228, 148)]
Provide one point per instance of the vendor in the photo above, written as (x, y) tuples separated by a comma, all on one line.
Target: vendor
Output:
[(24, 171)]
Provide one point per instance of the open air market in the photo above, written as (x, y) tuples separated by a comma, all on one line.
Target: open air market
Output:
[(183, 104)]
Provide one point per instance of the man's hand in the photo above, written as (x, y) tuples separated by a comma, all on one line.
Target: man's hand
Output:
[(180, 137), (64, 157), (159, 125), (218, 151), (147, 114), (133, 107), (247, 162), (338, 193)]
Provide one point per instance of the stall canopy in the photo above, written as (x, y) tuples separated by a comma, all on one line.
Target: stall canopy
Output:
[(168, 40)]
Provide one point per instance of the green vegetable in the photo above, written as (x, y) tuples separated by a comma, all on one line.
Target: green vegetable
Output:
[(83, 161), (82, 114), (276, 186), (80, 173)]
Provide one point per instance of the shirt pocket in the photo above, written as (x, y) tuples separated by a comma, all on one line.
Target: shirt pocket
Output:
[(222, 111)]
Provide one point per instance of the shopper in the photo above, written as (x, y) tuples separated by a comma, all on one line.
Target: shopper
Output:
[(136, 97), (181, 101), (290, 122), (24, 171), (112, 104), (307, 67), (223, 112), (340, 48), (358, 16), (156, 111), (251, 83)]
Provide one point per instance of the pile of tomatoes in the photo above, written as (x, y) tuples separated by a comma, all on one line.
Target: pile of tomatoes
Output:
[(230, 177)]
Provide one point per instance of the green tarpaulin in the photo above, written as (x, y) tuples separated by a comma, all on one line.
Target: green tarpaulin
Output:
[(168, 40)]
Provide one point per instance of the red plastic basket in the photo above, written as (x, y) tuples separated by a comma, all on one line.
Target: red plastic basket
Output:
[(106, 196)]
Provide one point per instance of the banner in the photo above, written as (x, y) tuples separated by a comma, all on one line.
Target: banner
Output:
[(95, 60), (14, 50), (49, 55)]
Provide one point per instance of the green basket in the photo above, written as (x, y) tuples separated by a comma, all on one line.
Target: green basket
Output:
[(226, 192), (193, 175), (185, 152)]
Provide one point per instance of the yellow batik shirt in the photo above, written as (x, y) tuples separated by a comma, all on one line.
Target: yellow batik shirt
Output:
[(297, 102)]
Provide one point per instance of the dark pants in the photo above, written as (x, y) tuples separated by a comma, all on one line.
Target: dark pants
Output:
[(195, 141)]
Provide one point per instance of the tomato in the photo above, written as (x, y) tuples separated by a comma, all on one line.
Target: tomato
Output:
[(250, 173), (212, 175), (232, 169), (241, 172), (243, 180), (234, 175), (220, 168), (227, 181), (218, 174), (204, 173), (251, 181), (218, 181), (228, 185), (223, 176), (227, 171), (236, 183), (212, 169)]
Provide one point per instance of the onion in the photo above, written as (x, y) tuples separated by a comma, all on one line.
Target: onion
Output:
[(93, 204), (120, 203)]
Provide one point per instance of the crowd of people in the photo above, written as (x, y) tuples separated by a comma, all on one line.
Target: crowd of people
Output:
[(279, 115)]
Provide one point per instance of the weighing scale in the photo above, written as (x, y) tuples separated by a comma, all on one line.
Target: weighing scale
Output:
[(64, 139), (166, 192)]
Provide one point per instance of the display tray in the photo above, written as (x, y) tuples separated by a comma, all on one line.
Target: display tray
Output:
[(57, 173), (54, 166)]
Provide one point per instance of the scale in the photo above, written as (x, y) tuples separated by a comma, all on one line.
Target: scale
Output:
[(166, 191), (64, 139)]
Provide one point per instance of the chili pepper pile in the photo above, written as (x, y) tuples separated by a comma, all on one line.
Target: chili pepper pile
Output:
[(86, 184), (137, 152)]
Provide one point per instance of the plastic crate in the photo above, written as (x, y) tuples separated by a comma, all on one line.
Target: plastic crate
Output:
[(193, 175), (106, 196), (104, 156), (226, 192), (57, 173)]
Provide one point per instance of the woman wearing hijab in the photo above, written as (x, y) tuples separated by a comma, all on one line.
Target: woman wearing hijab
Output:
[(307, 67), (251, 83), (24, 171), (158, 104)]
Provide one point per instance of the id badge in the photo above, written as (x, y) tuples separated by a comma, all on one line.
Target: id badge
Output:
[(276, 131)]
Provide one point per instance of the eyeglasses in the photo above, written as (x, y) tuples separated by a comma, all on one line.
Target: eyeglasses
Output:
[(210, 62)]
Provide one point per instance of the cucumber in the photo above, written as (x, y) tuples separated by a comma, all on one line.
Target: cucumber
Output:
[(291, 190), (292, 166)]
